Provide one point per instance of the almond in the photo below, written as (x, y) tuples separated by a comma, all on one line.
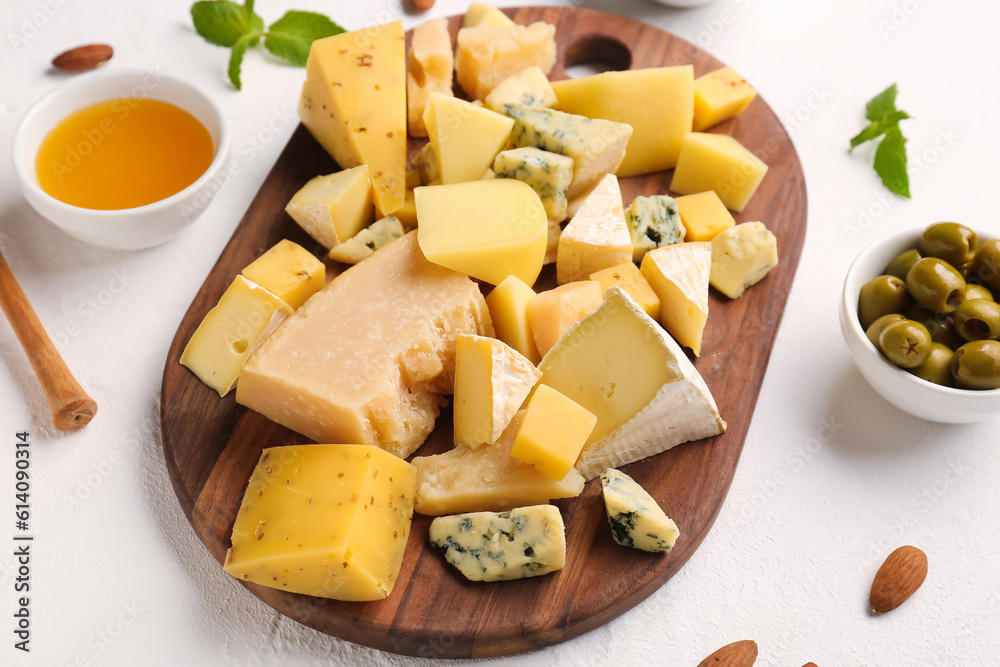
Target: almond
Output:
[(738, 654), (900, 576), (422, 5), (83, 58), (810, 664)]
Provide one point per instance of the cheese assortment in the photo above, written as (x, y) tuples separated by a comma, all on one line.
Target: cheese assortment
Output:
[(636, 520), (429, 65)]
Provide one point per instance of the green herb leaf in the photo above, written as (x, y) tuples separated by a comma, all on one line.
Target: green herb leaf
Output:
[(881, 105), (291, 36), (873, 131), (236, 57), (222, 22), (890, 162)]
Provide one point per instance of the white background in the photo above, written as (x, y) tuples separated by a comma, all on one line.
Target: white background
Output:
[(832, 477)]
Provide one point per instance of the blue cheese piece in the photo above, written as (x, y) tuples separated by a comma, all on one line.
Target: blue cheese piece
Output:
[(487, 546), (529, 87), (636, 520), (654, 222), (426, 164), (548, 174), (368, 240)]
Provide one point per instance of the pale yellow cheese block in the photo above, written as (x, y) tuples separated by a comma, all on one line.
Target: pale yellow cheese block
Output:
[(679, 275), (597, 237), (485, 56), (719, 96), (554, 312), (288, 271), (334, 208), (464, 137), (429, 67), (720, 163), (628, 277), (483, 15), (508, 304), (741, 257), (529, 87)]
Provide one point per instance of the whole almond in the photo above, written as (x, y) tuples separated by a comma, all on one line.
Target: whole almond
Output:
[(900, 576), (83, 58), (810, 664), (738, 654), (422, 5)]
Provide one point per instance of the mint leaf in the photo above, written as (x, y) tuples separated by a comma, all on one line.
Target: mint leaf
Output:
[(291, 36), (236, 57), (222, 22), (873, 131), (890, 162), (881, 105)]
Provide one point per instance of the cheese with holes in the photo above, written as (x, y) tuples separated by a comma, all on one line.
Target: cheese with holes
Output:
[(636, 520), (654, 222), (288, 271), (485, 56), (619, 364), (368, 240), (334, 208), (658, 103), (741, 257), (484, 15), (628, 277), (508, 304), (554, 312), (704, 216), (548, 174), (719, 96), (487, 478), (354, 104), (368, 358), (553, 432), (429, 66), (324, 520), (679, 275), (720, 163), (597, 237), (465, 138), (491, 382), (529, 87)]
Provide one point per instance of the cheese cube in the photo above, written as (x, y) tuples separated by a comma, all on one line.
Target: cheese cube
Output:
[(485, 56), (628, 277), (486, 478), (465, 138), (720, 163), (741, 257), (324, 520), (288, 271), (636, 520), (491, 382), (719, 96), (553, 432), (486, 229), (367, 358), (597, 237), (244, 317), (654, 222), (658, 103), (484, 15), (427, 166), (551, 314), (529, 87), (704, 216), (548, 174), (334, 208), (508, 304), (553, 234), (429, 67), (407, 215), (679, 276), (368, 240)]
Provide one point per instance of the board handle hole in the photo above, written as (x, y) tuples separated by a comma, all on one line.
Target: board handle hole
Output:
[(593, 54)]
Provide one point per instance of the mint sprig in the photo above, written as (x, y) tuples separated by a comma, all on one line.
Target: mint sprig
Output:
[(890, 156), (226, 23)]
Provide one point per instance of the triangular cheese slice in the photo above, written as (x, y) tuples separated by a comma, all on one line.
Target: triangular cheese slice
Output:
[(622, 366), (465, 137), (596, 238), (485, 15), (679, 275), (491, 382)]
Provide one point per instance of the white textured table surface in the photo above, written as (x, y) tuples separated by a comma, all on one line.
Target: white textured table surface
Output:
[(832, 477)]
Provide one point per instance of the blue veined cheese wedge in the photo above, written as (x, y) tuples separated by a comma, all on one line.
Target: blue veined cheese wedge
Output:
[(529, 87), (548, 174), (654, 221), (368, 240), (636, 520)]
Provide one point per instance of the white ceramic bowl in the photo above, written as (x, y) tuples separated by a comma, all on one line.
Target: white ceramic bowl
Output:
[(131, 228), (907, 392)]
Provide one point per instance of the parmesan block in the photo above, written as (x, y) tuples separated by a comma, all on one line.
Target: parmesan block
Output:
[(484, 15), (288, 271), (529, 87), (485, 56), (554, 312), (334, 208), (741, 257), (508, 304), (429, 67), (720, 163), (465, 138), (597, 237), (719, 96), (548, 174), (368, 240), (679, 275)]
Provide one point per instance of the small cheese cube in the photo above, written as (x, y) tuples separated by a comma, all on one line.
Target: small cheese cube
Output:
[(334, 208), (244, 317), (368, 240), (548, 174), (553, 432), (465, 137), (679, 276), (654, 222), (551, 314), (529, 87), (741, 257), (427, 166), (508, 304), (288, 271), (720, 163), (484, 15), (719, 96), (552, 242), (413, 179), (429, 70), (628, 277), (324, 520), (407, 215), (485, 56), (704, 216), (597, 237), (636, 520)]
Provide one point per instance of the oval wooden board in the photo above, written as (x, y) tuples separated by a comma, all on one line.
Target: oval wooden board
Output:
[(212, 444)]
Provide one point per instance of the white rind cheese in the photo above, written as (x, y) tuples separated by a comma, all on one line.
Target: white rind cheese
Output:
[(741, 257), (636, 520), (597, 237), (548, 174), (368, 240), (654, 222)]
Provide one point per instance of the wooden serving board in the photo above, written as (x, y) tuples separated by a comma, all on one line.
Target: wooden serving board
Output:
[(212, 444)]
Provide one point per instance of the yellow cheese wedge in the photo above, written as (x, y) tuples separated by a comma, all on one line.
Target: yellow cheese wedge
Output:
[(508, 304), (485, 56), (244, 317), (368, 240), (553, 432), (658, 103), (529, 87), (628, 277), (553, 235), (491, 382), (407, 215), (679, 275), (741, 257), (597, 237), (288, 271), (486, 479), (719, 96), (720, 163), (429, 66), (324, 520), (486, 229), (465, 138), (354, 104), (334, 208), (551, 314), (368, 357), (704, 216), (485, 15)]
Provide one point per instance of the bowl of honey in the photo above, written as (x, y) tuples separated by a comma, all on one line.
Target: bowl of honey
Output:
[(121, 158)]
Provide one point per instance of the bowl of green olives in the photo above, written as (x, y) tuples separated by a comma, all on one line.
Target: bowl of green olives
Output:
[(920, 316)]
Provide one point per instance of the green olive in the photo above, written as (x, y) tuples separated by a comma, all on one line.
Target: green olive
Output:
[(936, 285), (940, 326), (881, 296), (973, 291), (904, 261), (978, 319), (937, 367), (879, 325), (985, 264), (976, 365), (906, 343), (950, 241)]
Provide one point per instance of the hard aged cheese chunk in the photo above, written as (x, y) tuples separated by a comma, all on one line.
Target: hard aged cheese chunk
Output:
[(553, 432), (244, 317), (486, 229), (429, 66), (719, 96), (482, 15), (621, 366), (636, 519), (720, 163), (334, 208), (679, 275), (548, 174), (486, 546), (368, 357), (741, 257), (465, 138), (485, 56), (597, 237), (529, 87), (657, 102), (324, 520), (628, 277), (368, 240), (354, 103), (491, 382), (508, 304), (289, 271), (487, 478), (554, 312), (654, 222), (704, 216)]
